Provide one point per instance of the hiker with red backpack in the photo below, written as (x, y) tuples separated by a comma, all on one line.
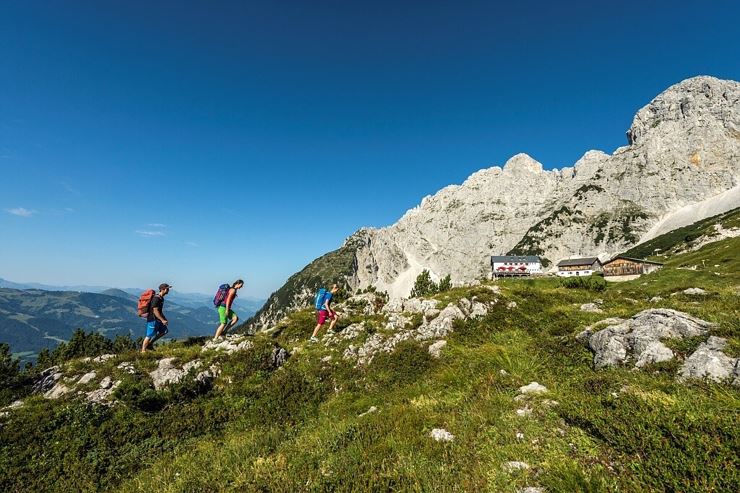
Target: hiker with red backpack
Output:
[(223, 301), (324, 310), (151, 305)]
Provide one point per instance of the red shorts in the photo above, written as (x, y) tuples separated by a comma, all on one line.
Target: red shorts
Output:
[(322, 315)]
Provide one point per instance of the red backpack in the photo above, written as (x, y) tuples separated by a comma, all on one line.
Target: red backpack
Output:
[(144, 301), (221, 294)]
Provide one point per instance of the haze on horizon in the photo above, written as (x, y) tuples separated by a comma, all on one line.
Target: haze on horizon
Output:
[(196, 144)]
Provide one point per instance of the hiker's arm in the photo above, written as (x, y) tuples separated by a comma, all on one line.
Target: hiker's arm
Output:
[(230, 299), (158, 315)]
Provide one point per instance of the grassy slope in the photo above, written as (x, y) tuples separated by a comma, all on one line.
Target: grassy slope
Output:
[(684, 236), (299, 429)]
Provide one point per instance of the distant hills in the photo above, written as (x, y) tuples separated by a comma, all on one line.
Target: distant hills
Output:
[(32, 318), (243, 304)]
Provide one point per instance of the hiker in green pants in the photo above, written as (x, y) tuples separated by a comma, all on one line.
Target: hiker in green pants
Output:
[(226, 316)]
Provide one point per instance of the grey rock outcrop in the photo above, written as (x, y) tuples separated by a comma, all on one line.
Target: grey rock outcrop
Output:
[(103, 395), (681, 164), (709, 361), (57, 391), (591, 308), (278, 357), (47, 379), (397, 321), (229, 344), (441, 435), (532, 388), (638, 339), (436, 328), (87, 378), (352, 331), (435, 349), (515, 465), (128, 367), (168, 373)]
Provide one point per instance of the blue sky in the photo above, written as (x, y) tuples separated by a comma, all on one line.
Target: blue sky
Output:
[(196, 142)]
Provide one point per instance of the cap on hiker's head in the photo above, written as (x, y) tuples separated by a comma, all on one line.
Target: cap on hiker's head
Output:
[(164, 286)]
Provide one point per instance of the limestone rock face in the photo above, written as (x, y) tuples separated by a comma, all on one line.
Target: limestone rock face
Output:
[(684, 149)]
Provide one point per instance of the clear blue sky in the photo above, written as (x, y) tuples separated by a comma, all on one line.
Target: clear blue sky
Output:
[(198, 141)]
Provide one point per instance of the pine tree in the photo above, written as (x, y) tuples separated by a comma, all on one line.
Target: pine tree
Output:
[(424, 285)]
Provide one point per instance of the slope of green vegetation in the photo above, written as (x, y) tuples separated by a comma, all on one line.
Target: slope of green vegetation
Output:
[(684, 237), (306, 426)]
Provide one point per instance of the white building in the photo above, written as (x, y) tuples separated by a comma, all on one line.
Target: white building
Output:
[(579, 266), (515, 265)]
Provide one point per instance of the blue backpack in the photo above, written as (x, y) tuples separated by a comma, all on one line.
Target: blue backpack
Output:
[(220, 297), (319, 301)]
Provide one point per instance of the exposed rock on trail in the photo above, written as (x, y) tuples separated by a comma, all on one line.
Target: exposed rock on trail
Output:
[(168, 373), (435, 328), (229, 344)]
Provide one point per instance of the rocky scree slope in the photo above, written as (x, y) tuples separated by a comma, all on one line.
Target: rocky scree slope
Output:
[(689, 238), (683, 153)]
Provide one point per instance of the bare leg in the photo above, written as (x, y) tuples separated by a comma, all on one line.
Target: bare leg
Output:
[(333, 323), (156, 337), (219, 331), (145, 344), (231, 324), (316, 330)]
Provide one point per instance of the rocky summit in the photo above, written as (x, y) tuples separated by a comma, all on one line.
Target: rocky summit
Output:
[(681, 164)]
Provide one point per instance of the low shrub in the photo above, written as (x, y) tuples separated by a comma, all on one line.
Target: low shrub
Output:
[(590, 283)]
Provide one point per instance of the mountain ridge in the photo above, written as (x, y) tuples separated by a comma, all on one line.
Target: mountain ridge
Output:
[(683, 149)]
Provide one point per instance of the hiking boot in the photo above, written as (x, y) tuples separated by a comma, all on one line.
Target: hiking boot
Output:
[(313, 339)]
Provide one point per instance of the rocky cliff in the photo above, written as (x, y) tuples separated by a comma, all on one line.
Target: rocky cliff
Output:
[(682, 163)]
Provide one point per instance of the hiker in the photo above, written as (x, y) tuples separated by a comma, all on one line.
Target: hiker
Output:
[(223, 300), (156, 322), (324, 310)]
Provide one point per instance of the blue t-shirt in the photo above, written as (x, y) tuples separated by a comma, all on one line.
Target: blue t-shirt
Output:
[(327, 299)]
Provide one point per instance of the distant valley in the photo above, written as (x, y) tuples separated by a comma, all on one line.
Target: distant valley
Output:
[(32, 319)]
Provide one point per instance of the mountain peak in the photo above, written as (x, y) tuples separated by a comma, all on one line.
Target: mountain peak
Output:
[(523, 162), (691, 104)]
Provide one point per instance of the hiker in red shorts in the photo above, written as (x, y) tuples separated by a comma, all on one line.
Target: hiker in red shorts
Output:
[(325, 311)]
